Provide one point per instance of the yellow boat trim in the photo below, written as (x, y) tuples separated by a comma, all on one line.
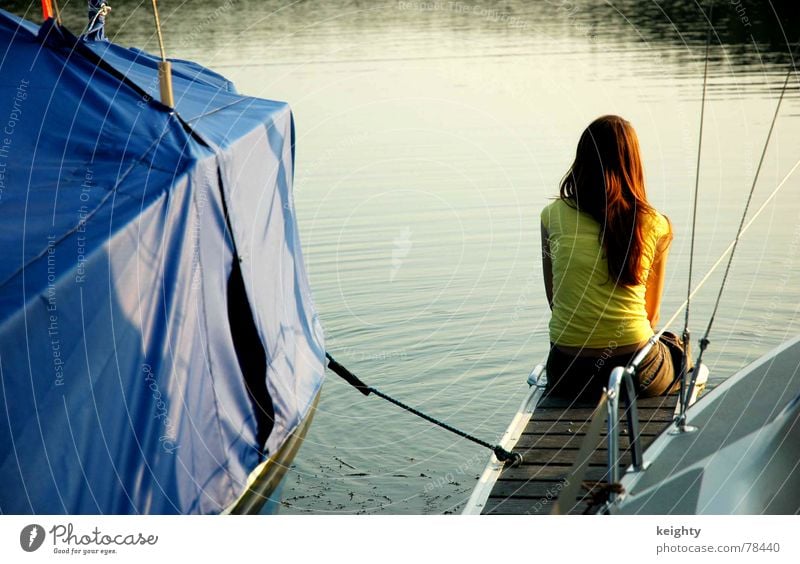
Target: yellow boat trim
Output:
[(266, 477)]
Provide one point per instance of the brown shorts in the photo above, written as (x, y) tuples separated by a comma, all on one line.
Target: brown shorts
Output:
[(583, 377)]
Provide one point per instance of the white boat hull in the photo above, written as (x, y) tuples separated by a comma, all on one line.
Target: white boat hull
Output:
[(743, 459)]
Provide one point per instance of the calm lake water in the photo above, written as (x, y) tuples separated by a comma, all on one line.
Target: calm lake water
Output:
[(429, 136)]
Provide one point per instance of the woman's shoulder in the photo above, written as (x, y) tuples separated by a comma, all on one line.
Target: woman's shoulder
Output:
[(549, 211), (557, 213), (663, 224), (660, 227), (553, 205), (557, 206)]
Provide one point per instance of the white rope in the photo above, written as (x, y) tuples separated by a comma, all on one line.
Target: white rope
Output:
[(102, 11)]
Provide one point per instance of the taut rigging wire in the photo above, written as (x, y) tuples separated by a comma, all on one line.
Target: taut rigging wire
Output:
[(743, 227), (686, 336), (704, 341)]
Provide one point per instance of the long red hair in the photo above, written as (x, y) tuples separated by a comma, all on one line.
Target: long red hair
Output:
[(606, 181)]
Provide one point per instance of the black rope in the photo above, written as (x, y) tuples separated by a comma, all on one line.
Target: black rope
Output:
[(502, 454), (704, 342)]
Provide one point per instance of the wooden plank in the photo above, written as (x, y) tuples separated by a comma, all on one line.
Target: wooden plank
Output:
[(551, 442), (513, 506), (534, 489), (660, 408), (566, 456), (585, 414), (554, 463), (651, 428), (525, 506), (548, 402), (550, 472), (647, 403), (527, 442), (518, 506)]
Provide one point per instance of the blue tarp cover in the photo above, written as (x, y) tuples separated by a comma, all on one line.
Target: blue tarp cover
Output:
[(120, 221)]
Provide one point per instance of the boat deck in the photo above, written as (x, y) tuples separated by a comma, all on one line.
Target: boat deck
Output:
[(549, 446)]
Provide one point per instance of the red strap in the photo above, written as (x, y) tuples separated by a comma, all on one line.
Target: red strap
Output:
[(47, 10)]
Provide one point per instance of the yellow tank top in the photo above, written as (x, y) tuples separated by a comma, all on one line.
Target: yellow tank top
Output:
[(589, 308)]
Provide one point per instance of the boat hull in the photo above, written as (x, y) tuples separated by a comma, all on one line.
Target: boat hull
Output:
[(264, 485), (744, 457)]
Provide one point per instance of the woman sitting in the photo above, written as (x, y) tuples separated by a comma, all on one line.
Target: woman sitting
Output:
[(604, 254)]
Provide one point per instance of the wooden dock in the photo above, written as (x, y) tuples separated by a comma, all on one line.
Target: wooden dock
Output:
[(549, 446)]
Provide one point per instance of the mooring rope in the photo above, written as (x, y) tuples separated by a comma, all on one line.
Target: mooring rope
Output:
[(502, 454)]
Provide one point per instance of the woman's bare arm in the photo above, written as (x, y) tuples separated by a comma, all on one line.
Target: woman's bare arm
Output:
[(654, 288), (547, 267)]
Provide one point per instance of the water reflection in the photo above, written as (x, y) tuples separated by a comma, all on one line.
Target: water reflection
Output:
[(748, 33)]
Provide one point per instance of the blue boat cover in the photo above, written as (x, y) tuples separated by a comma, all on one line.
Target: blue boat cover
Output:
[(150, 259)]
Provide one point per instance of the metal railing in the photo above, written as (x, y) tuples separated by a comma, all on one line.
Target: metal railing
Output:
[(619, 376)]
